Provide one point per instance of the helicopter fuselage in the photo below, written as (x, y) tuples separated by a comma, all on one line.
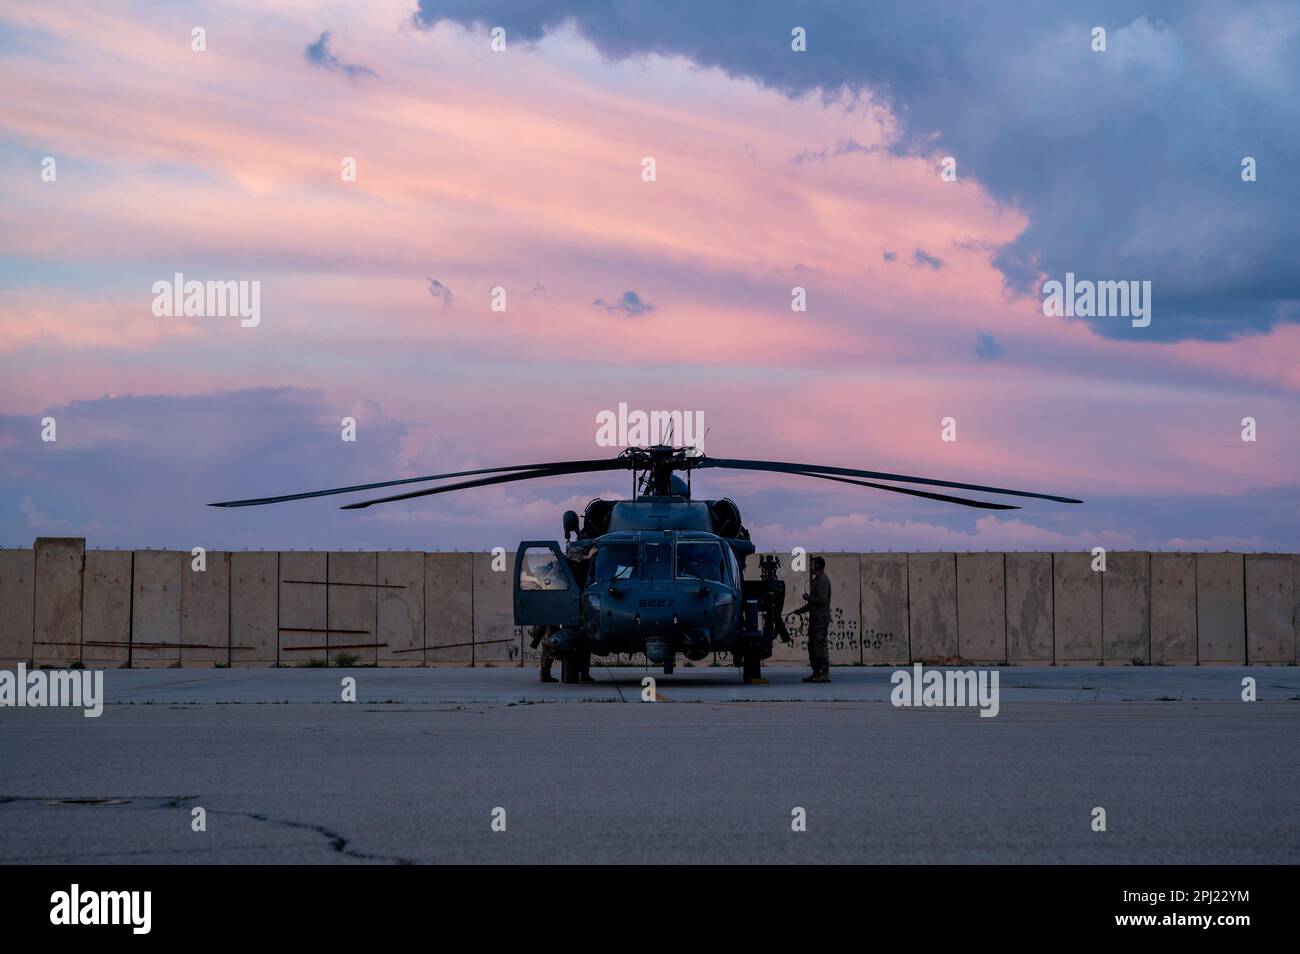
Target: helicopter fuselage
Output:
[(662, 592), (671, 588)]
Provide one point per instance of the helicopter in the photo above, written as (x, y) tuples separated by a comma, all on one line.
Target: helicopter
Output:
[(660, 573)]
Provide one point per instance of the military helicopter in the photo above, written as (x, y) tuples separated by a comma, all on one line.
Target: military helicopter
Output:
[(661, 573)]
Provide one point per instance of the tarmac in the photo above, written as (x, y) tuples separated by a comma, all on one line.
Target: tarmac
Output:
[(428, 763)]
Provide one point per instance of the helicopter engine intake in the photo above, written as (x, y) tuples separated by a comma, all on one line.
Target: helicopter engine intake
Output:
[(696, 644)]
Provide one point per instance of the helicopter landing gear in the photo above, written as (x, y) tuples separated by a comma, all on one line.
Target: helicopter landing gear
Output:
[(668, 666), (751, 668), (574, 666)]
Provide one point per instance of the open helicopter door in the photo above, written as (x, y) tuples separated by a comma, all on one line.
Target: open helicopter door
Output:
[(546, 593)]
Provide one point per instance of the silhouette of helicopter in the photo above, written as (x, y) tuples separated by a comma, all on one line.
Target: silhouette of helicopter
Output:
[(661, 573)]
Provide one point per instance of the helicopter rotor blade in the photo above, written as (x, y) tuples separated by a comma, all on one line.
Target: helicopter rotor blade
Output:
[(963, 501), (259, 501), (782, 467), (558, 471)]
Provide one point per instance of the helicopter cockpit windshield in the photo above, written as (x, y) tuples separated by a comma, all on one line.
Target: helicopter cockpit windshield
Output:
[(615, 561), (702, 560), (658, 562)]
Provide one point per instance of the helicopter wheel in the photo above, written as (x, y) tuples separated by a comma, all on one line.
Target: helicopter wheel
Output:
[(751, 668), (569, 671)]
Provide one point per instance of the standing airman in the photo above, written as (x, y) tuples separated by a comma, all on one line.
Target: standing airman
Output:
[(817, 604)]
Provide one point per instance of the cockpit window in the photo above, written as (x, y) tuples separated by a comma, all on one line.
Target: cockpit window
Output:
[(541, 570), (659, 561), (700, 560), (616, 561)]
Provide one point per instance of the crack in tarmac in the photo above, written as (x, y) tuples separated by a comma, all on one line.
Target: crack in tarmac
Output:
[(338, 842)]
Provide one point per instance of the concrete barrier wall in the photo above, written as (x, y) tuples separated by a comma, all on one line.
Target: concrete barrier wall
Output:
[(106, 608), (932, 605), (497, 641), (1126, 609), (205, 611), (156, 608), (400, 610), (1076, 609), (845, 573), (60, 603), (1173, 609), (17, 605), (981, 607), (302, 619), (1030, 609), (1270, 607), (56, 633), (353, 608), (254, 609), (449, 609), (1220, 609), (886, 632)]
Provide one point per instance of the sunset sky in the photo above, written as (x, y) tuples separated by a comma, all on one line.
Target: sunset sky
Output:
[(522, 170)]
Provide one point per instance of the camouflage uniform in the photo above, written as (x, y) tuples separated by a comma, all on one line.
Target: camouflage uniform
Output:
[(577, 553), (819, 637), (818, 608), (548, 655)]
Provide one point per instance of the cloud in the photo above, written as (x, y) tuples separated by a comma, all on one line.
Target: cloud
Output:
[(42, 524), (889, 256), (320, 54), (1127, 163), (629, 305), (922, 258), (127, 470), (1117, 523), (438, 290), (987, 347), (843, 147)]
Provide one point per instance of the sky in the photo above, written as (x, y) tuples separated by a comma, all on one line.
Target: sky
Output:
[(919, 170)]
